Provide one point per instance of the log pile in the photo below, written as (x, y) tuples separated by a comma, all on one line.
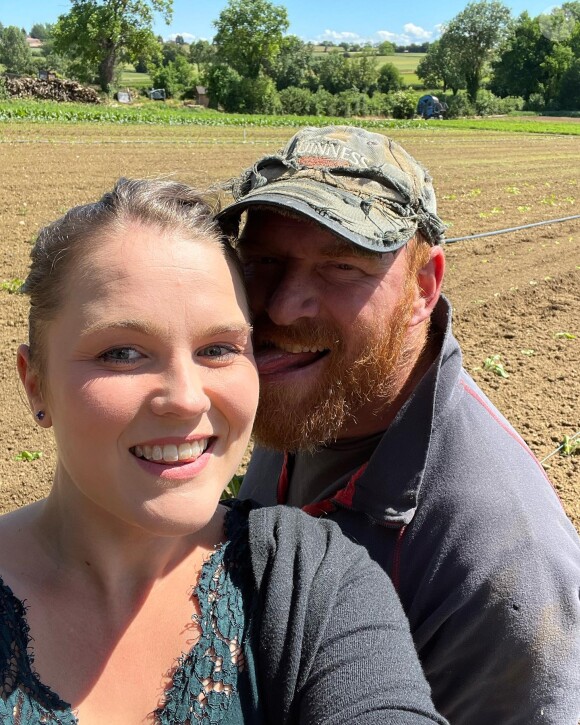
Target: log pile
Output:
[(55, 89)]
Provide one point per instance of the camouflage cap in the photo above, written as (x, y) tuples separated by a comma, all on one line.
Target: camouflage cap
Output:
[(362, 186)]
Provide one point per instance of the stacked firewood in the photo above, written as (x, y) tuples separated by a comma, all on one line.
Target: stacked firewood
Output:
[(55, 89)]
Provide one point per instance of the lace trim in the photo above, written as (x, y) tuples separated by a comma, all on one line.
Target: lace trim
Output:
[(205, 678)]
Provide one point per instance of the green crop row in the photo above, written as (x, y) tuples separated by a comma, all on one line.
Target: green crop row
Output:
[(47, 112)]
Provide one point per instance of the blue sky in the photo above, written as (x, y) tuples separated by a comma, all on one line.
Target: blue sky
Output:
[(316, 20)]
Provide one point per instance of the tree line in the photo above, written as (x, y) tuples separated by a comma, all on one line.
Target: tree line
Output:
[(252, 65)]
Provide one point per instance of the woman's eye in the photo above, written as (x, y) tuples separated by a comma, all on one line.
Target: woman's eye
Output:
[(218, 352), (121, 355)]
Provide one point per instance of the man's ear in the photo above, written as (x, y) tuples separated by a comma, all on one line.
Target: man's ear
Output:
[(31, 382), (429, 281)]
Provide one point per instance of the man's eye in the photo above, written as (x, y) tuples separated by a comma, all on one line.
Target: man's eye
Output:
[(218, 352), (121, 355)]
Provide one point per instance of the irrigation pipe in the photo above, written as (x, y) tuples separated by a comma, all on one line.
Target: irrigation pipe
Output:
[(511, 229), (559, 448)]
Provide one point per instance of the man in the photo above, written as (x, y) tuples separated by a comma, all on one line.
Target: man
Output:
[(367, 417)]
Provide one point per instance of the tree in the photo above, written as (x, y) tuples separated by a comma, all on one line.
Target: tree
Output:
[(14, 51), (201, 53), (519, 71), (41, 31), (386, 48), (362, 71), (441, 66), (293, 66), (333, 73), (390, 79), (569, 96), (100, 34), (474, 34), (249, 35)]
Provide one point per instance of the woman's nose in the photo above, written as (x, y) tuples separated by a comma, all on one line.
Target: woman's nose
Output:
[(182, 391)]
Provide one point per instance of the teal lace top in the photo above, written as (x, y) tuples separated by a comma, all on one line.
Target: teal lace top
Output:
[(213, 683)]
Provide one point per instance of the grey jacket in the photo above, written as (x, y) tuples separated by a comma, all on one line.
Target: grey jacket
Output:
[(332, 644), (454, 506)]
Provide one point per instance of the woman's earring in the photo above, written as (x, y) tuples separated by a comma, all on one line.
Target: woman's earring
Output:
[(40, 415)]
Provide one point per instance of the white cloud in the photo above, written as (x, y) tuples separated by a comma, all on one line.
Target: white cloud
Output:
[(340, 35), (188, 37), (415, 31), (387, 35), (411, 34)]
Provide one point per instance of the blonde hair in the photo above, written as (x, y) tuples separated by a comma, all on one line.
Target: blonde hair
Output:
[(168, 205)]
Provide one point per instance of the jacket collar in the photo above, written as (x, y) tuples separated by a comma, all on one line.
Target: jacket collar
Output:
[(388, 489)]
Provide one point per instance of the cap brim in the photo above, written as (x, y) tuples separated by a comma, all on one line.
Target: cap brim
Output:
[(371, 226)]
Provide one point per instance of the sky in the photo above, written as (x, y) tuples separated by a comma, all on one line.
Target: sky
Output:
[(311, 20)]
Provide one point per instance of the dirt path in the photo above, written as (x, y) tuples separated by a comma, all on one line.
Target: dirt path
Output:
[(513, 295)]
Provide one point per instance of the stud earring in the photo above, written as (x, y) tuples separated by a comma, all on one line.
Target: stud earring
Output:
[(40, 415)]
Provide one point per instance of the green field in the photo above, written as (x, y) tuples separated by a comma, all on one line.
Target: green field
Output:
[(151, 113), (406, 63), (131, 79)]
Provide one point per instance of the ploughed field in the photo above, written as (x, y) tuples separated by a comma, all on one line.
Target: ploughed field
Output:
[(516, 296)]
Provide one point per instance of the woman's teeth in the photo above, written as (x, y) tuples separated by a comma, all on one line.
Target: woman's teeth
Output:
[(171, 453)]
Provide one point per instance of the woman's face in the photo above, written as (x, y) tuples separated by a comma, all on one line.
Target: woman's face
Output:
[(149, 378)]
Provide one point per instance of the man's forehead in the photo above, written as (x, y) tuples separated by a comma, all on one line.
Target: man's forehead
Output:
[(261, 225)]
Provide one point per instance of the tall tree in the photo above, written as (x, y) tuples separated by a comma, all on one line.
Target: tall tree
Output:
[(100, 34), (41, 31), (474, 34), (249, 35), (293, 66), (519, 69), (441, 66), (14, 51)]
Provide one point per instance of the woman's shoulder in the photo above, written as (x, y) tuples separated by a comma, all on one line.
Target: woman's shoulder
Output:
[(18, 543)]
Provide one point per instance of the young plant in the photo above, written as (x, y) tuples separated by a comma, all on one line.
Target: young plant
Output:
[(565, 336), (28, 456), (570, 446), (12, 286), (493, 363)]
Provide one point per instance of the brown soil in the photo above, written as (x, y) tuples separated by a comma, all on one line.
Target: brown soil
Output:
[(512, 294)]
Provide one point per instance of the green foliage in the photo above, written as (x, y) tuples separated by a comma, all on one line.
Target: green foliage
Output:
[(386, 48), (201, 53), (176, 77), (519, 70), (294, 64), (12, 286), (493, 363), (404, 104), (298, 101), (362, 72), (333, 73), (473, 35), (570, 446), (28, 456), (459, 105), (249, 35), (99, 36), (441, 66), (15, 54), (41, 31), (569, 92), (389, 78)]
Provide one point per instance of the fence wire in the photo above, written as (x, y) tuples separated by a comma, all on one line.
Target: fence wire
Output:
[(511, 229)]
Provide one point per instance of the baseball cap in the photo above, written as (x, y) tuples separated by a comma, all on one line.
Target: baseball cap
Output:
[(362, 186)]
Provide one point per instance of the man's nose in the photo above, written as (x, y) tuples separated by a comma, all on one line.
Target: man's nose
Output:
[(294, 296)]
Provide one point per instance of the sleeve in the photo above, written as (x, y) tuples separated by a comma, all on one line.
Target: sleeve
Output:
[(490, 580), (333, 643)]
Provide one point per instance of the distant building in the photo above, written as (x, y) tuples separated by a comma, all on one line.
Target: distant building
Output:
[(201, 97), (34, 43)]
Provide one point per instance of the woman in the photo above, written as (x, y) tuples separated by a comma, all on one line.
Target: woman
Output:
[(130, 595)]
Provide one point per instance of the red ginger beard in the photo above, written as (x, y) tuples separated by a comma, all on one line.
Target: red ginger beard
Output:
[(292, 418)]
